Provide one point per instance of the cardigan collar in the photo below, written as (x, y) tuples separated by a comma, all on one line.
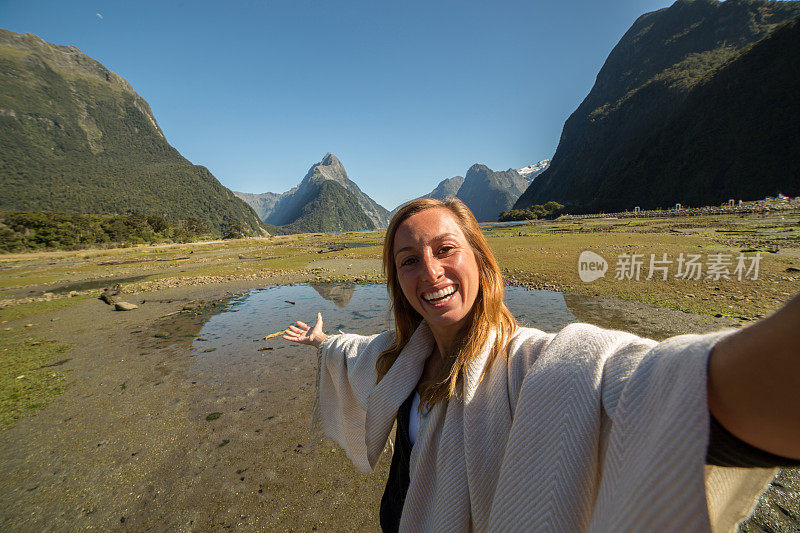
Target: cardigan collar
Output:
[(400, 380), (387, 396)]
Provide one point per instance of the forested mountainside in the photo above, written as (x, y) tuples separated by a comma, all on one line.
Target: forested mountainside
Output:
[(659, 62), (734, 137), (77, 138), (332, 209)]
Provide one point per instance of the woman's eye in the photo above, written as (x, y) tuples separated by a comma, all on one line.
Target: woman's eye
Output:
[(446, 249), (407, 261)]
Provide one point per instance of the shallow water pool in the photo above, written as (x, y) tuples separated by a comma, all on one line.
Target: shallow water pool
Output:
[(350, 308), (234, 338)]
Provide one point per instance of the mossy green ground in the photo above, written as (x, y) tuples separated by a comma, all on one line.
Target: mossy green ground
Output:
[(21, 311), (29, 374), (546, 256)]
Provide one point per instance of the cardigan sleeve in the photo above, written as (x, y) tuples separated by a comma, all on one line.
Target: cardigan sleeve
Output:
[(656, 399), (346, 377), (629, 418)]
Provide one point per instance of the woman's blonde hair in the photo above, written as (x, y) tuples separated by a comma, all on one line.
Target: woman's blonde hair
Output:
[(489, 314)]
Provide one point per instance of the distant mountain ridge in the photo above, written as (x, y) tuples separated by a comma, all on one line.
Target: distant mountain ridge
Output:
[(485, 191), (448, 187), (77, 138), (648, 74), (300, 210), (263, 203)]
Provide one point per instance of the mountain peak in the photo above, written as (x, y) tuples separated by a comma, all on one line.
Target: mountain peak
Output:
[(330, 168), (329, 160), (487, 192), (531, 171), (477, 167), (291, 205)]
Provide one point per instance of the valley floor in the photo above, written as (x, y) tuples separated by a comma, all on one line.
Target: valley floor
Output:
[(106, 424)]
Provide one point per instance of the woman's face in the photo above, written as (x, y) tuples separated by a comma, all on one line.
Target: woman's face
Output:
[(436, 268)]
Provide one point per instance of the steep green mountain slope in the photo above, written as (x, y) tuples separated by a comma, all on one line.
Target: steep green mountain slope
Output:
[(735, 136), (651, 71), (77, 138), (316, 205), (487, 192), (332, 209)]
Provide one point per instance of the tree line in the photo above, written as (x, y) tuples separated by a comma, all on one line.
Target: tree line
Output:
[(41, 230), (550, 210)]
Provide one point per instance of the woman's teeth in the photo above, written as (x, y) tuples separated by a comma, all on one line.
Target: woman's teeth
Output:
[(447, 291)]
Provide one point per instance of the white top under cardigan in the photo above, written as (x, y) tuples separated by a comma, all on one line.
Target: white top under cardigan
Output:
[(584, 430)]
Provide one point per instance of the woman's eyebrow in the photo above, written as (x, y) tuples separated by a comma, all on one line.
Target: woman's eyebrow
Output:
[(403, 249), (437, 238)]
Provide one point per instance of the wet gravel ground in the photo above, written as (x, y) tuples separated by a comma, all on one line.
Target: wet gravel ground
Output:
[(152, 435), (778, 510)]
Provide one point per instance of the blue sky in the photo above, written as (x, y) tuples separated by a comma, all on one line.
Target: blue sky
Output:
[(404, 93)]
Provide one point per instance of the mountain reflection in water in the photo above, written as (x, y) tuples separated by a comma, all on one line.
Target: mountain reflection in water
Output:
[(235, 335), (338, 293)]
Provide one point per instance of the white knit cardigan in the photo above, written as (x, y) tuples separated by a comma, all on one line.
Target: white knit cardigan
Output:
[(584, 430)]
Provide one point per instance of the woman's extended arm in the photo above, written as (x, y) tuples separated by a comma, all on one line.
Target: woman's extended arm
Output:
[(305, 334), (754, 382)]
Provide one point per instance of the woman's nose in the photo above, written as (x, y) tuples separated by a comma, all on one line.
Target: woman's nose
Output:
[(432, 267)]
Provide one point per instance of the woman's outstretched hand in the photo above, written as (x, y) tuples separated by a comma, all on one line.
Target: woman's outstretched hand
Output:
[(304, 334)]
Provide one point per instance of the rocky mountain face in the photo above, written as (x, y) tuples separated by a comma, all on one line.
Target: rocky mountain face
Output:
[(300, 209), (487, 192), (77, 138), (448, 187), (445, 188), (654, 68), (331, 209)]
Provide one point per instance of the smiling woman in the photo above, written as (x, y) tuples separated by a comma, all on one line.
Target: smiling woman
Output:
[(437, 271), (501, 427), (437, 264)]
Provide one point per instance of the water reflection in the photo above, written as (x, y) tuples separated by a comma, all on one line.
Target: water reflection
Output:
[(236, 336), (338, 293)]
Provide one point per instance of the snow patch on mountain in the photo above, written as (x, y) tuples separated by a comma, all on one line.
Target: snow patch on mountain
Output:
[(531, 171)]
